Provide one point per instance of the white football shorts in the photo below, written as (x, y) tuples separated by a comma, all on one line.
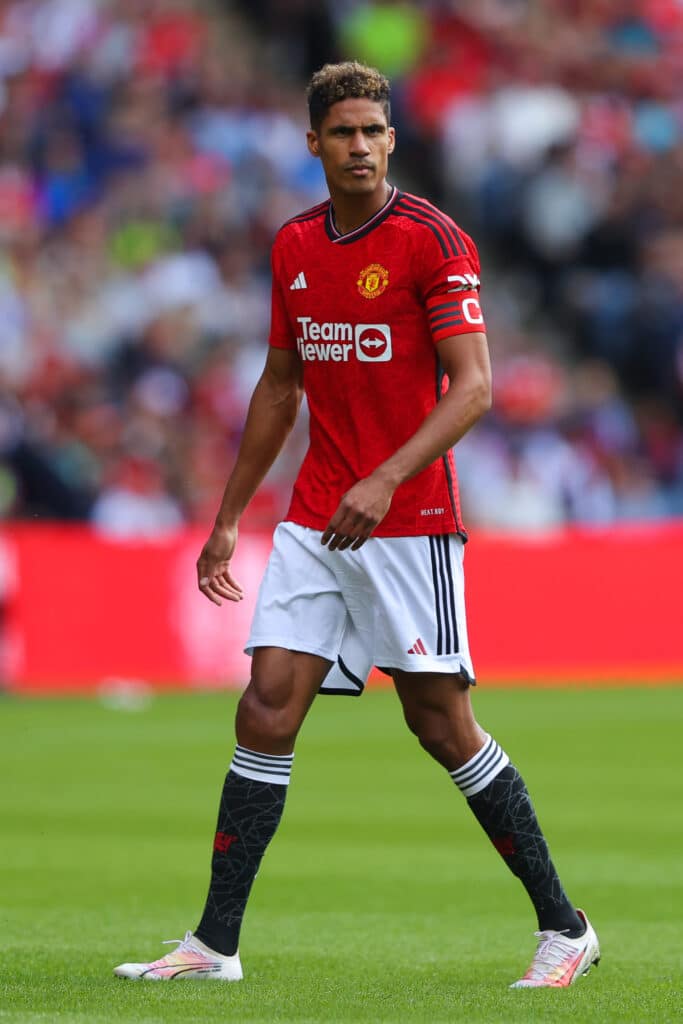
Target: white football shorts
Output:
[(397, 602)]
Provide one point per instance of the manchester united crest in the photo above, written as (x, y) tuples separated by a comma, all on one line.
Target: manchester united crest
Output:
[(373, 280)]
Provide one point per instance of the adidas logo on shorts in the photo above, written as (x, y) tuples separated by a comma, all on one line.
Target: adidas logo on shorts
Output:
[(417, 648)]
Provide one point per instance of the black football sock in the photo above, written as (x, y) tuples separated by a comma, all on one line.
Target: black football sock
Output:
[(251, 806), (501, 804)]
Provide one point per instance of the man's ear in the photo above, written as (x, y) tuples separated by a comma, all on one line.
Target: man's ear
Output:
[(313, 143), (392, 140)]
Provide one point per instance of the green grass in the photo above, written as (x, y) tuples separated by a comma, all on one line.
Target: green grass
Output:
[(379, 899)]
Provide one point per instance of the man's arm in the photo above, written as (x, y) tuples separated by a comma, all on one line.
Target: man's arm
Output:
[(272, 411), (465, 358)]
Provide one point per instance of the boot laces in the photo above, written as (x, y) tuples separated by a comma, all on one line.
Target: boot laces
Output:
[(553, 949), (182, 945)]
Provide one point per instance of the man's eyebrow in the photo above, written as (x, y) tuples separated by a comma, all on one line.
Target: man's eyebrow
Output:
[(354, 127)]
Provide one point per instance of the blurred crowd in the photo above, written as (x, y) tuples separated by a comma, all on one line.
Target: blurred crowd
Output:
[(150, 149)]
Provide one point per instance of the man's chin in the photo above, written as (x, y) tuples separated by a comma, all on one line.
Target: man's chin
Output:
[(359, 186)]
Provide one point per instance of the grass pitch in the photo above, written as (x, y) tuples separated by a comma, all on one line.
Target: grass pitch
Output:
[(379, 899)]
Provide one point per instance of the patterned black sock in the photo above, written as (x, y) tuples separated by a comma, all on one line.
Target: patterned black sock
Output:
[(501, 804), (251, 807)]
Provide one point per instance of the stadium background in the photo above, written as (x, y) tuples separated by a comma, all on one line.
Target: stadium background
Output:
[(148, 152), (149, 149)]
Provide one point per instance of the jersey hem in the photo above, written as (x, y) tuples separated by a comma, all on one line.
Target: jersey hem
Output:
[(320, 526)]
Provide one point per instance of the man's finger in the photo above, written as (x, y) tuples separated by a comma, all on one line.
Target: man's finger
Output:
[(339, 542), (215, 587), (231, 582), (346, 543), (206, 575), (342, 524), (225, 590)]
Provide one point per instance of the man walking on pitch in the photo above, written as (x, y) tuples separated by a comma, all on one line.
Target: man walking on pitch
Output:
[(376, 317)]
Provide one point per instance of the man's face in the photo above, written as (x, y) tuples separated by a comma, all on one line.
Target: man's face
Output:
[(353, 143)]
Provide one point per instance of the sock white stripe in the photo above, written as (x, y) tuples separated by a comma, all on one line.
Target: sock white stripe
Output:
[(472, 766), (481, 769), (476, 786), (258, 766), (274, 759), (273, 768), (248, 773), (251, 762)]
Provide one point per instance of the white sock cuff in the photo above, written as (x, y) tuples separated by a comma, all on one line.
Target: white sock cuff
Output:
[(481, 769), (273, 768)]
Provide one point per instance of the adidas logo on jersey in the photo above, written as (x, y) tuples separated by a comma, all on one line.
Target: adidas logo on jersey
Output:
[(298, 282)]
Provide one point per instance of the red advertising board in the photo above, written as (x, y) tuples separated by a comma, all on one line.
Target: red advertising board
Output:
[(79, 609)]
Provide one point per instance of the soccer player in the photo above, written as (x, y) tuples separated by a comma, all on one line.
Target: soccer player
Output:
[(376, 317)]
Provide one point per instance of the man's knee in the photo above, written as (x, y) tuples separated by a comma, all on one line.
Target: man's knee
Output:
[(270, 714), (443, 722), (433, 731)]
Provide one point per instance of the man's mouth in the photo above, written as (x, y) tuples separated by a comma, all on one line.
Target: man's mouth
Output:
[(360, 170)]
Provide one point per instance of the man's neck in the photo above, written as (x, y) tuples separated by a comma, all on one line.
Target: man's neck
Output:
[(352, 211)]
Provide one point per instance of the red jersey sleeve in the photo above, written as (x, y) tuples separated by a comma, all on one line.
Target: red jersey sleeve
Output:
[(450, 288), (281, 333)]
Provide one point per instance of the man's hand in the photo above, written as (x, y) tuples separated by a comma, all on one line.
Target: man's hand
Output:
[(213, 567), (359, 512)]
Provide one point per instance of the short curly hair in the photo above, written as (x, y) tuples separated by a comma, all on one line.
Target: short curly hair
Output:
[(349, 80)]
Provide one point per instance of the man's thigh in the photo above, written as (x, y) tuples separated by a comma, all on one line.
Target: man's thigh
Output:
[(434, 692), (282, 679), (275, 703)]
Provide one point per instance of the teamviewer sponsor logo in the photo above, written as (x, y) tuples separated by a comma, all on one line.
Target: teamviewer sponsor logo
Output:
[(373, 343), (323, 342), (334, 342)]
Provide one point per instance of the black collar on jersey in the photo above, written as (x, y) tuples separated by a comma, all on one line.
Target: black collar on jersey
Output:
[(335, 235)]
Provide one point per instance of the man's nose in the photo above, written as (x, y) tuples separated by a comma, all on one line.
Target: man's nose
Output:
[(359, 144)]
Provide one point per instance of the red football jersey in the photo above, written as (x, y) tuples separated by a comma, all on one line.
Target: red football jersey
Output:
[(364, 310)]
